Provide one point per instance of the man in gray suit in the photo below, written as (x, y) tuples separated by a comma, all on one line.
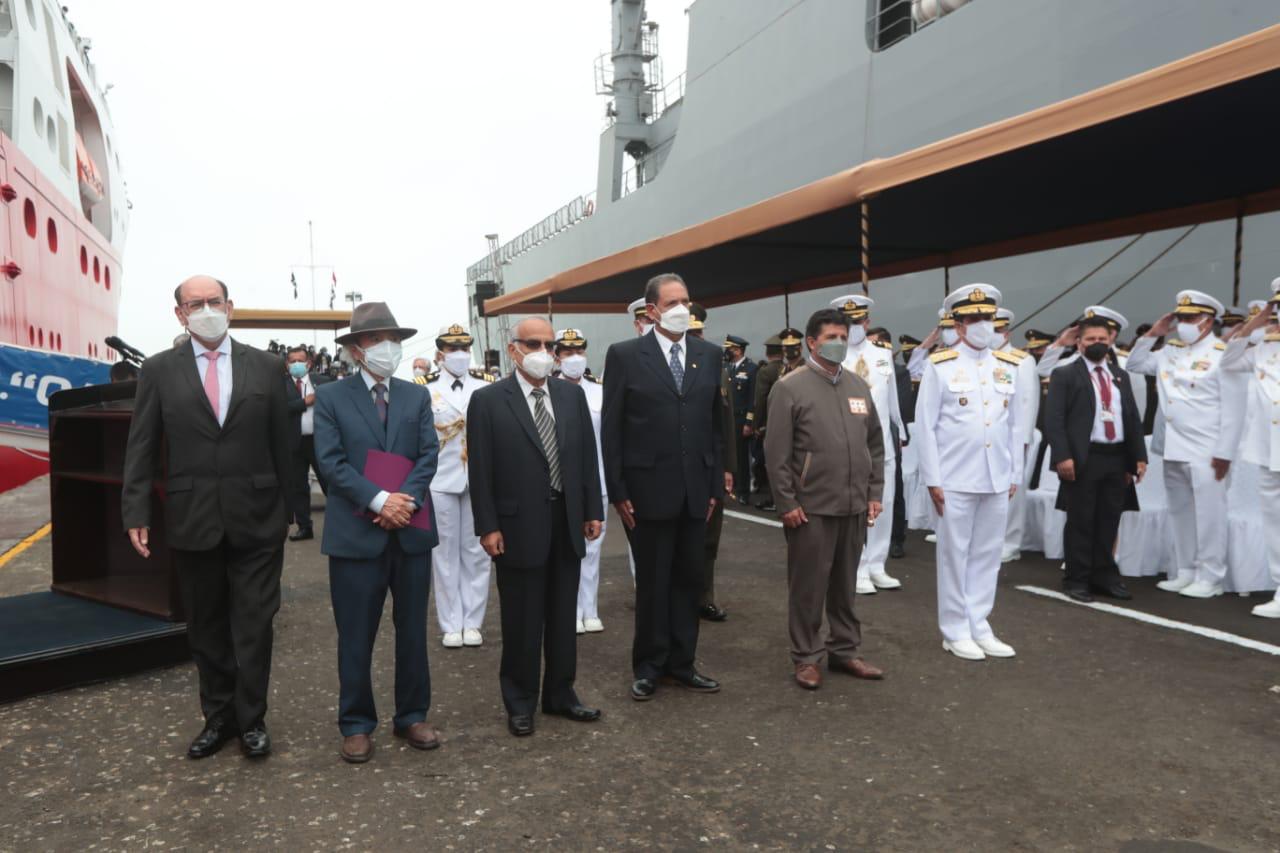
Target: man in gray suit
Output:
[(372, 545)]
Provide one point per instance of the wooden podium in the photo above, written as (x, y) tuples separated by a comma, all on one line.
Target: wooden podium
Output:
[(92, 557)]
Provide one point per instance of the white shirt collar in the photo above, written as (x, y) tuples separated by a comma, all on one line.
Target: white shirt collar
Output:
[(370, 380), (200, 349), (665, 343), (526, 387)]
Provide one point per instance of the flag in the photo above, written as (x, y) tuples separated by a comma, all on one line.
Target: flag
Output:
[(294, 278), (333, 289)]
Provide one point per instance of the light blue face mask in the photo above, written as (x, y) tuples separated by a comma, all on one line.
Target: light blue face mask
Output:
[(297, 369)]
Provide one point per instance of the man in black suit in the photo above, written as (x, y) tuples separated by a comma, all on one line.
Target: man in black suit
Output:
[(661, 431), (1094, 430), (300, 395), (535, 497), (218, 406)]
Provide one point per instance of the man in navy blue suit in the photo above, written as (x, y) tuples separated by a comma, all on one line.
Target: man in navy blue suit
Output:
[(367, 534)]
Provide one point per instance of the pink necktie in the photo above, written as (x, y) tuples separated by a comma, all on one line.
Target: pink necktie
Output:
[(211, 382)]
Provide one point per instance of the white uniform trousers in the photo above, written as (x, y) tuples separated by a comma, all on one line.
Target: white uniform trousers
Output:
[(1197, 505), (459, 566), (970, 536), (589, 579), (876, 551), (1018, 505), (1269, 493)]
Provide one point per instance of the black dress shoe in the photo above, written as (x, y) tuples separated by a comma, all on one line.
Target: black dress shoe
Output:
[(697, 682), (520, 725), (713, 614), (302, 533), (896, 551), (1114, 589), (1077, 594), (767, 506), (256, 742), (577, 713), (642, 689), (216, 733)]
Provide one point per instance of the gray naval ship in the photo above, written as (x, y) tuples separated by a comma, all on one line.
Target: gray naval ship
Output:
[(779, 94)]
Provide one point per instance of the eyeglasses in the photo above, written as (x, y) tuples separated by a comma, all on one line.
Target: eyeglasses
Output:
[(217, 303), (534, 346)]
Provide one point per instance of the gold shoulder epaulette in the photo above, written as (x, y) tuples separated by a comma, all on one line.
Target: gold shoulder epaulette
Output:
[(1021, 354), (1006, 356), (1173, 342), (1271, 337), (883, 344), (943, 355), (1123, 352), (420, 380), (591, 378), (1219, 345), (478, 373)]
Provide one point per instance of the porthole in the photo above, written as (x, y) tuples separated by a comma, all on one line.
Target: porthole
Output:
[(52, 232), (31, 335), (38, 110), (29, 217), (84, 260), (106, 276), (40, 337), (59, 341), (97, 270), (51, 133)]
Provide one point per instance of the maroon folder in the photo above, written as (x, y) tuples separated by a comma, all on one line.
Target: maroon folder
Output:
[(388, 471)]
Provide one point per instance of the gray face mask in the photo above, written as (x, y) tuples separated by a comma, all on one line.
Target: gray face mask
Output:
[(833, 350)]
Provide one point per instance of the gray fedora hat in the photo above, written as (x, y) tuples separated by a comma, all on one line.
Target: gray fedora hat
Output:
[(373, 317)]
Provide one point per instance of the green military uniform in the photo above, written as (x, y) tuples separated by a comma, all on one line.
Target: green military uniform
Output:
[(766, 378)]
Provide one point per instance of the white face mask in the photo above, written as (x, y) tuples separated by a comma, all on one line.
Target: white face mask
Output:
[(1189, 333), (1256, 336), (383, 358), (207, 323), (857, 334), (573, 366), (979, 335), (676, 320), (538, 364), (418, 371), (949, 337), (457, 363)]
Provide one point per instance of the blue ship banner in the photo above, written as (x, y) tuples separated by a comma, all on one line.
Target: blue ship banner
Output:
[(28, 378)]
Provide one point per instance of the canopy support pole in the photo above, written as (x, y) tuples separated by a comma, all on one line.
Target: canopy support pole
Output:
[(946, 280), (1235, 283), (551, 310), (866, 248), (786, 306)]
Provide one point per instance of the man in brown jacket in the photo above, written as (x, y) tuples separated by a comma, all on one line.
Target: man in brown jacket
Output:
[(825, 455)]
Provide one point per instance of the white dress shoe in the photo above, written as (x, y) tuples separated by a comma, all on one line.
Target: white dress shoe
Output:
[(1270, 610), (964, 649), (581, 628), (1010, 556), (883, 581), (931, 537), (993, 648), (865, 586), (593, 626), (1177, 583), (471, 637), (1201, 589), (452, 640)]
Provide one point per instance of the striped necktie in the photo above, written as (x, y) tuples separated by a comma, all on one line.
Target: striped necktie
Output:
[(547, 434)]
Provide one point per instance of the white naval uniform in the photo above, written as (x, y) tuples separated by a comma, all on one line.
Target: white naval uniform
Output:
[(459, 566), (1028, 407), (1202, 421), (877, 370), (1260, 443), (967, 430), (589, 579)]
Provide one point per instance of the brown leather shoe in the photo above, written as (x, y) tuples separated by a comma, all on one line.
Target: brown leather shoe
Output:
[(808, 676), (356, 749), (856, 667), (420, 736)]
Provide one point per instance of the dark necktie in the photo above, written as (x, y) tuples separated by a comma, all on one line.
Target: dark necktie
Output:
[(299, 384), (380, 392), (547, 434), (677, 369), (457, 385), (1104, 391)]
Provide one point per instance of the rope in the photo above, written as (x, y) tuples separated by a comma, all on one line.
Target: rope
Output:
[(1148, 264), (1081, 281)]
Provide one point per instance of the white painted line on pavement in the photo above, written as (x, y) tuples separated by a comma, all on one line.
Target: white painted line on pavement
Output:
[(767, 522), (1211, 633)]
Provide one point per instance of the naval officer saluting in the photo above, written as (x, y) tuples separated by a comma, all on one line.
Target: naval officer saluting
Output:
[(971, 462)]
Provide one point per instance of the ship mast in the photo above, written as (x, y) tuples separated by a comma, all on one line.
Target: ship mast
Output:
[(633, 77)]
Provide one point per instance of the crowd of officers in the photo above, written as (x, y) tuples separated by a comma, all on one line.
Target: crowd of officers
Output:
[(971, 425)]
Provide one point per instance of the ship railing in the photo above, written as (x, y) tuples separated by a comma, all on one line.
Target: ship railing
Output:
[(639, 175), (891, 21), (559, 221)]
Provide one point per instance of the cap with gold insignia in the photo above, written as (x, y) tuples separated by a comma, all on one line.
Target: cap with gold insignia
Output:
[(697, 317), (1233, 316), (1275, 291), (907, 343), (735, 341), (855, 306), (1256, 307), (1116, 321), (979, 299), (790, 337), (571, 339), (453, 335), (1036, 339), (1004, 318), (636, 309), (1195, 302), (945, 320)]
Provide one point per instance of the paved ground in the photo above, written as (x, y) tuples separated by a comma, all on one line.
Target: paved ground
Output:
[(1103, 734)]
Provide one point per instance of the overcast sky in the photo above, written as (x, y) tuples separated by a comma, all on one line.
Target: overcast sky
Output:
[(405, 131)]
